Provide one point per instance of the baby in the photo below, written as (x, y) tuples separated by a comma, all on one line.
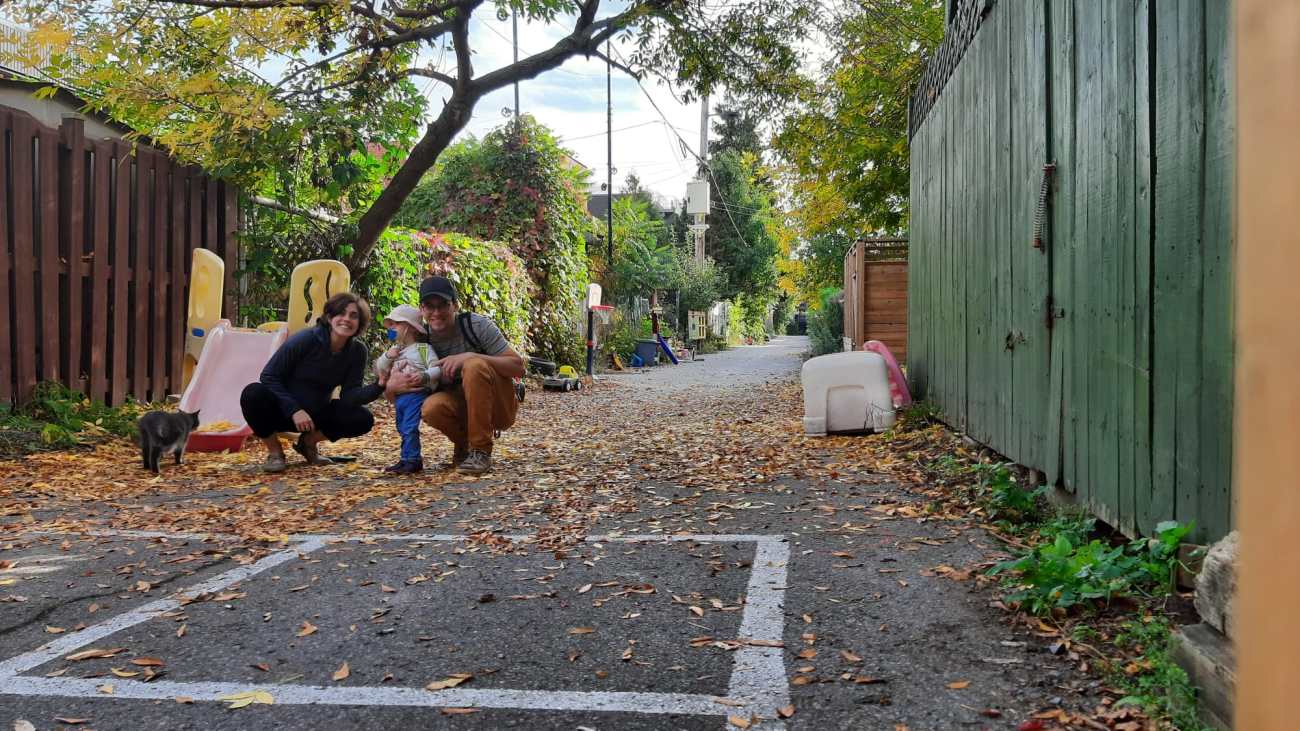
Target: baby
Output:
[(404, 326)]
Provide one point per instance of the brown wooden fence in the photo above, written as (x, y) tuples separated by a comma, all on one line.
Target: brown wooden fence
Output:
[(875, 294), (95, 242)]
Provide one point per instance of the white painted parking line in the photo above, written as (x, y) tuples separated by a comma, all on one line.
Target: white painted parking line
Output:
[(39, 564), (543, 700), (758, 684), (74, 640)]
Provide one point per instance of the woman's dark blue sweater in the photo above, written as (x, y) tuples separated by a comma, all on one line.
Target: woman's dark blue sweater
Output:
[(304, 372)]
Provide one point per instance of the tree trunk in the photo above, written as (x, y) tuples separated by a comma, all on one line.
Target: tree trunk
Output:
[(439, 134)]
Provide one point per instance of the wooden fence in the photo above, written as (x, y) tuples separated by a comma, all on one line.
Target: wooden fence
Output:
[(1090, 337), (875, 295), (95, 242)]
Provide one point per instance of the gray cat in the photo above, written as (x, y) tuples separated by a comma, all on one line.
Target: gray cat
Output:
[(162, 432)]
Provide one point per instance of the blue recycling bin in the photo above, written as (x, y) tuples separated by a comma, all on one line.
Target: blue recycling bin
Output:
[(648, 351)]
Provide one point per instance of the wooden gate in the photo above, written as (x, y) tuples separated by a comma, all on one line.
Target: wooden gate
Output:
[(875, 294)]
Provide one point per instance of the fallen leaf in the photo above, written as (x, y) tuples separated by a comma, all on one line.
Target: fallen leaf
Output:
[(959, 684), (262, 666), (54, 630), (71, 721), (119, 672), (183, 699), (457, 711), (807, 653), (180, 631), (23, 725), (143, 586), (95, 652), (850, 657), (584, 588), (739, 722), (697, 611), (106, 689), (247, 698), (785, 711), (147, 662), (582, 630), (307, 628), (387, 589), (342, 673), (450, 681)]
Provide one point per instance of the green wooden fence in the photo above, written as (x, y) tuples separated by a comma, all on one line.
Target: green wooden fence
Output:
[(1103, 358)]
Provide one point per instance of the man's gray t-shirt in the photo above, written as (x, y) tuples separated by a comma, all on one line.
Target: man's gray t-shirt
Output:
[(490, 339)]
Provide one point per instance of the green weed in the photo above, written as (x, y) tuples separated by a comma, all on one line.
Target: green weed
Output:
[(1153, 681), (59, 417), (1066, 572)]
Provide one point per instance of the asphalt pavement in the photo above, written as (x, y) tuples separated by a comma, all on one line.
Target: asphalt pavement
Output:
[(768, 591)]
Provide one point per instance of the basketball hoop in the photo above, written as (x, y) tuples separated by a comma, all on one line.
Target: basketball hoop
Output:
[(602, 313)]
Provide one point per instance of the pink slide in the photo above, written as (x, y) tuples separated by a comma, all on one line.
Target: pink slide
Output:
[(897, 384), (232, 358)]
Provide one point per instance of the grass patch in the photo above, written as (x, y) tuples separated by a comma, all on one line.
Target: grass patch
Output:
[(56, 417)]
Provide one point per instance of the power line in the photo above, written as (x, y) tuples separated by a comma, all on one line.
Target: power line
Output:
[(703, 163), (602, 132)]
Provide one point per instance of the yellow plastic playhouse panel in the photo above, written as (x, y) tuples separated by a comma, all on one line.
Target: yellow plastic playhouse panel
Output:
[(207, 283), (312, 283)]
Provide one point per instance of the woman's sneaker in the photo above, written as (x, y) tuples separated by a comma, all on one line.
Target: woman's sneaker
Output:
[(405, 467), (475, 463)]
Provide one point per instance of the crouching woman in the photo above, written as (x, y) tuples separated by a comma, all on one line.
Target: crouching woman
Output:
[(296, 390)]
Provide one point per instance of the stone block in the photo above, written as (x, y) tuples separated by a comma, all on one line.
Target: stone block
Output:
[(1217, 585)]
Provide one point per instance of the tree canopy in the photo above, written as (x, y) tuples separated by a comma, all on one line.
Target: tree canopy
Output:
[(234, 84)]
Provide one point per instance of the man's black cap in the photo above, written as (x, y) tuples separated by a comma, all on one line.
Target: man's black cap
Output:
[(437, 287)]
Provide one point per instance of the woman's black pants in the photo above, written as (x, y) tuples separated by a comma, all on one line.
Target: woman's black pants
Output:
[(336, 420)]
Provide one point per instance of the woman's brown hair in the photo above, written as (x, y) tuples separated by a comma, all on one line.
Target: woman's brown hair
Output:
[(338, 304)]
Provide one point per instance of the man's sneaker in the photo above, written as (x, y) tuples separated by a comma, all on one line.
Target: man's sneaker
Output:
[(405, 467), (475, 463)]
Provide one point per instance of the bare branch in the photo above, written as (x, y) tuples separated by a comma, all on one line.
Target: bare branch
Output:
[(430, 73)]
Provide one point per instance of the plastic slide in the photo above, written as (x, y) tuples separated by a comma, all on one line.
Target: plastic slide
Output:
[(897, 383), (663, 344), (232, 358)]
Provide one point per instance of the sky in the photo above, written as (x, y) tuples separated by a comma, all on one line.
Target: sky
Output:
[(571, 101)]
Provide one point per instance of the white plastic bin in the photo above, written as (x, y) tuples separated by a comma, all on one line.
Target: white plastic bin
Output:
[(846, 392)]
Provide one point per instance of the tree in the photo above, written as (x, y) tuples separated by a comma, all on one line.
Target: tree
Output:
[(738, 238), (846, 148), (189, 73), (735, 129), (643, 263)]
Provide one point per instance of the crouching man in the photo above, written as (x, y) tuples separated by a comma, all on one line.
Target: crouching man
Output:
[(476, 395)]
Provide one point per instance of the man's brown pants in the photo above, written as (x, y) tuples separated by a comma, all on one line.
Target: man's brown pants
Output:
[(469, 413)]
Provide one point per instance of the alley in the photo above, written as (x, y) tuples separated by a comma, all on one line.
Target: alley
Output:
[(664, 550)]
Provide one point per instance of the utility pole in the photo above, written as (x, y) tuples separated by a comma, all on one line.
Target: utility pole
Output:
[(697, 191), (704, 132), (514, 33), (609, 159)]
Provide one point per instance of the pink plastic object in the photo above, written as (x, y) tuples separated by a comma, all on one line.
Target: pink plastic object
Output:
[(897, 384), (232, 358)]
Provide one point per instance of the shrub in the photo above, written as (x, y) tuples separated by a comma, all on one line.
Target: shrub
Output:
[(489, 277), (826, 324), (392, 277), (518, 187)]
